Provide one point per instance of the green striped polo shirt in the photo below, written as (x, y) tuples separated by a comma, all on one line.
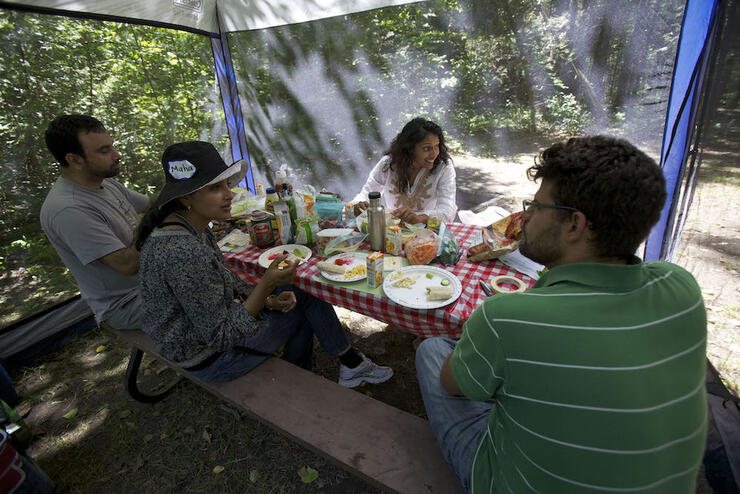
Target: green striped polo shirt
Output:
[(598, 376)]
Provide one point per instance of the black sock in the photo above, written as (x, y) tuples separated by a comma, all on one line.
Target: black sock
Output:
[(350, 358)]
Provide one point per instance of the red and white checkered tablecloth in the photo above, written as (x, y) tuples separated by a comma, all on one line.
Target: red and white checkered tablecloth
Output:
[(445, 321)]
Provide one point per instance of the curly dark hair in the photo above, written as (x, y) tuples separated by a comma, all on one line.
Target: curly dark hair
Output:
[(61, 135), (401, 150), (617, 187)]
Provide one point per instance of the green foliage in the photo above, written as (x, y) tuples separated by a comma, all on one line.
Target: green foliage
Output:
[(484, 70), (149, 86)]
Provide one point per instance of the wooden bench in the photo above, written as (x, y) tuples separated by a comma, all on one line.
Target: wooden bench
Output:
[(388, 447)]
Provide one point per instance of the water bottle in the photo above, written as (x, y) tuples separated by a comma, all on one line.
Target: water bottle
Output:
[(376, 222)]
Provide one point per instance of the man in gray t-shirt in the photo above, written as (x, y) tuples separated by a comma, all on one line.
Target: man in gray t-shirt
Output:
[(91, 219)]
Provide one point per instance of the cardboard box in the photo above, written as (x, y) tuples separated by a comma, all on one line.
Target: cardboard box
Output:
[(375, 265)]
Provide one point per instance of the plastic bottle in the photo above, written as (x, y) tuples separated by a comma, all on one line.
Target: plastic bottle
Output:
[(291, 202), (376, 222)]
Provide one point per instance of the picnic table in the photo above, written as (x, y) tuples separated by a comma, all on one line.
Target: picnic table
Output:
[(445, 321)]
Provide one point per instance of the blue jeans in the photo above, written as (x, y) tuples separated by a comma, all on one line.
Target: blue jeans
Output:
[(294, 329), (457, 422)]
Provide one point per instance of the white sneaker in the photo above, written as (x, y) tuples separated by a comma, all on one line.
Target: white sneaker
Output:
[(367, 371)]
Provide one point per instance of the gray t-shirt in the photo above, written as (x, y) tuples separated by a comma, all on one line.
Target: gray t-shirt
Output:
[(86, 224)]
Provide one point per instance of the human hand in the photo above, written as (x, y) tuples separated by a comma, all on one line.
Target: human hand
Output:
[(406, 214), (360, 207), (283, 302), (278, 276)]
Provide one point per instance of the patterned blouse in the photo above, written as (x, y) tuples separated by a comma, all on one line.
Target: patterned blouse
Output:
[(431, 193), (192, 301)]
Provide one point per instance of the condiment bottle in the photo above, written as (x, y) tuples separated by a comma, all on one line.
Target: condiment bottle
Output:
[(376, 222), (270, 199)]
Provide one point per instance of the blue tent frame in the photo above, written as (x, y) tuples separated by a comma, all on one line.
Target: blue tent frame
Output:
[(695, 46)]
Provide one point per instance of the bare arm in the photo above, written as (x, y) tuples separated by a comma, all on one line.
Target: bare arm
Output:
[(124, 261), (448, 379)]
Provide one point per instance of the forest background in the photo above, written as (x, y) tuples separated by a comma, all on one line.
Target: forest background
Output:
[(324, 97)]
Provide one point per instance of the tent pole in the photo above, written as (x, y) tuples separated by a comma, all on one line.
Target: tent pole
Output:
[(226, 77), (694, 47)]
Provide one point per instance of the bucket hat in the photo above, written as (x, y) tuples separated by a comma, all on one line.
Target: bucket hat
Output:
[(190, 166)]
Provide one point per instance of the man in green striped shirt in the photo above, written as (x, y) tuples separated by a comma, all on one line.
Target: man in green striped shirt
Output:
[(593, 380)]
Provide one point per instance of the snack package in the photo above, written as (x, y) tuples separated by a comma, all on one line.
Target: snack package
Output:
[(285, 229), (498, 238), (345, 243), (423, 247), (329, 214), (449, 252), (306, 229)]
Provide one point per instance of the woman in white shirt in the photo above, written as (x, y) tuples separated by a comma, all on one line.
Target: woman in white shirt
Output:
[(415, 177)]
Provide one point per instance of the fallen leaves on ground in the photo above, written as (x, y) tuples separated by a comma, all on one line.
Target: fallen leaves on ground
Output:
[(308, 474)]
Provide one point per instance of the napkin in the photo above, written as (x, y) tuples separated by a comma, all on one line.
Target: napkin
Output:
[(522, 264), (235, 241)]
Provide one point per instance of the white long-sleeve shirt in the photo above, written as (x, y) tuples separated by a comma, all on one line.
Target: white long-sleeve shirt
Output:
[(431, 193)]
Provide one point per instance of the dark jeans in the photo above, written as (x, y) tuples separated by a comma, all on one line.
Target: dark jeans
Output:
[(295, 329)]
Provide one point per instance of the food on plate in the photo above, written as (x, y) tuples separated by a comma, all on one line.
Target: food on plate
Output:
[(497, 238), (331, 268), (395, 276), (296, 253), (359, 270), (406, 282), (438, 293)]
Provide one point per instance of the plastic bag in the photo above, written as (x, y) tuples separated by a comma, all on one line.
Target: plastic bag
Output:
[(423, 247), (306, 229), (345, 243), (244, 202), (449, 252), (329, 214), (497, 239)]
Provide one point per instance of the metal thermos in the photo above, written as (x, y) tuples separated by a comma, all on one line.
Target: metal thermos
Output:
[(376, 222)]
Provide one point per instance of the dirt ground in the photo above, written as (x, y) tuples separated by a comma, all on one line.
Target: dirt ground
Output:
[(91, 437)]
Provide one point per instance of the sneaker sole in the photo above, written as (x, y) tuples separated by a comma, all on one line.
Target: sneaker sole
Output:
[(353, 383)]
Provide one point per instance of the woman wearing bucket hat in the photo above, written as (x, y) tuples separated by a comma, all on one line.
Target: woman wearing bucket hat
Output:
[(202, 316)]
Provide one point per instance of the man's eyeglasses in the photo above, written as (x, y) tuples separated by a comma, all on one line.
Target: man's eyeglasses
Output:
[(527, 203)]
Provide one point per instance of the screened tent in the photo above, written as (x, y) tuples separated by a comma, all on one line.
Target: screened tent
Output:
[(319, 87)]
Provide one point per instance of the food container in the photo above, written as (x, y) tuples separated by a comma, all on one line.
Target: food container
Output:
[(260, 228), (323, 237), (423, 247), (393, 240), (375, 269)]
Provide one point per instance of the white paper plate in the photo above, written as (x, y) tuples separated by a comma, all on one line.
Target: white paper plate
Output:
[(416, 296), (300, 251), (354, 259)]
